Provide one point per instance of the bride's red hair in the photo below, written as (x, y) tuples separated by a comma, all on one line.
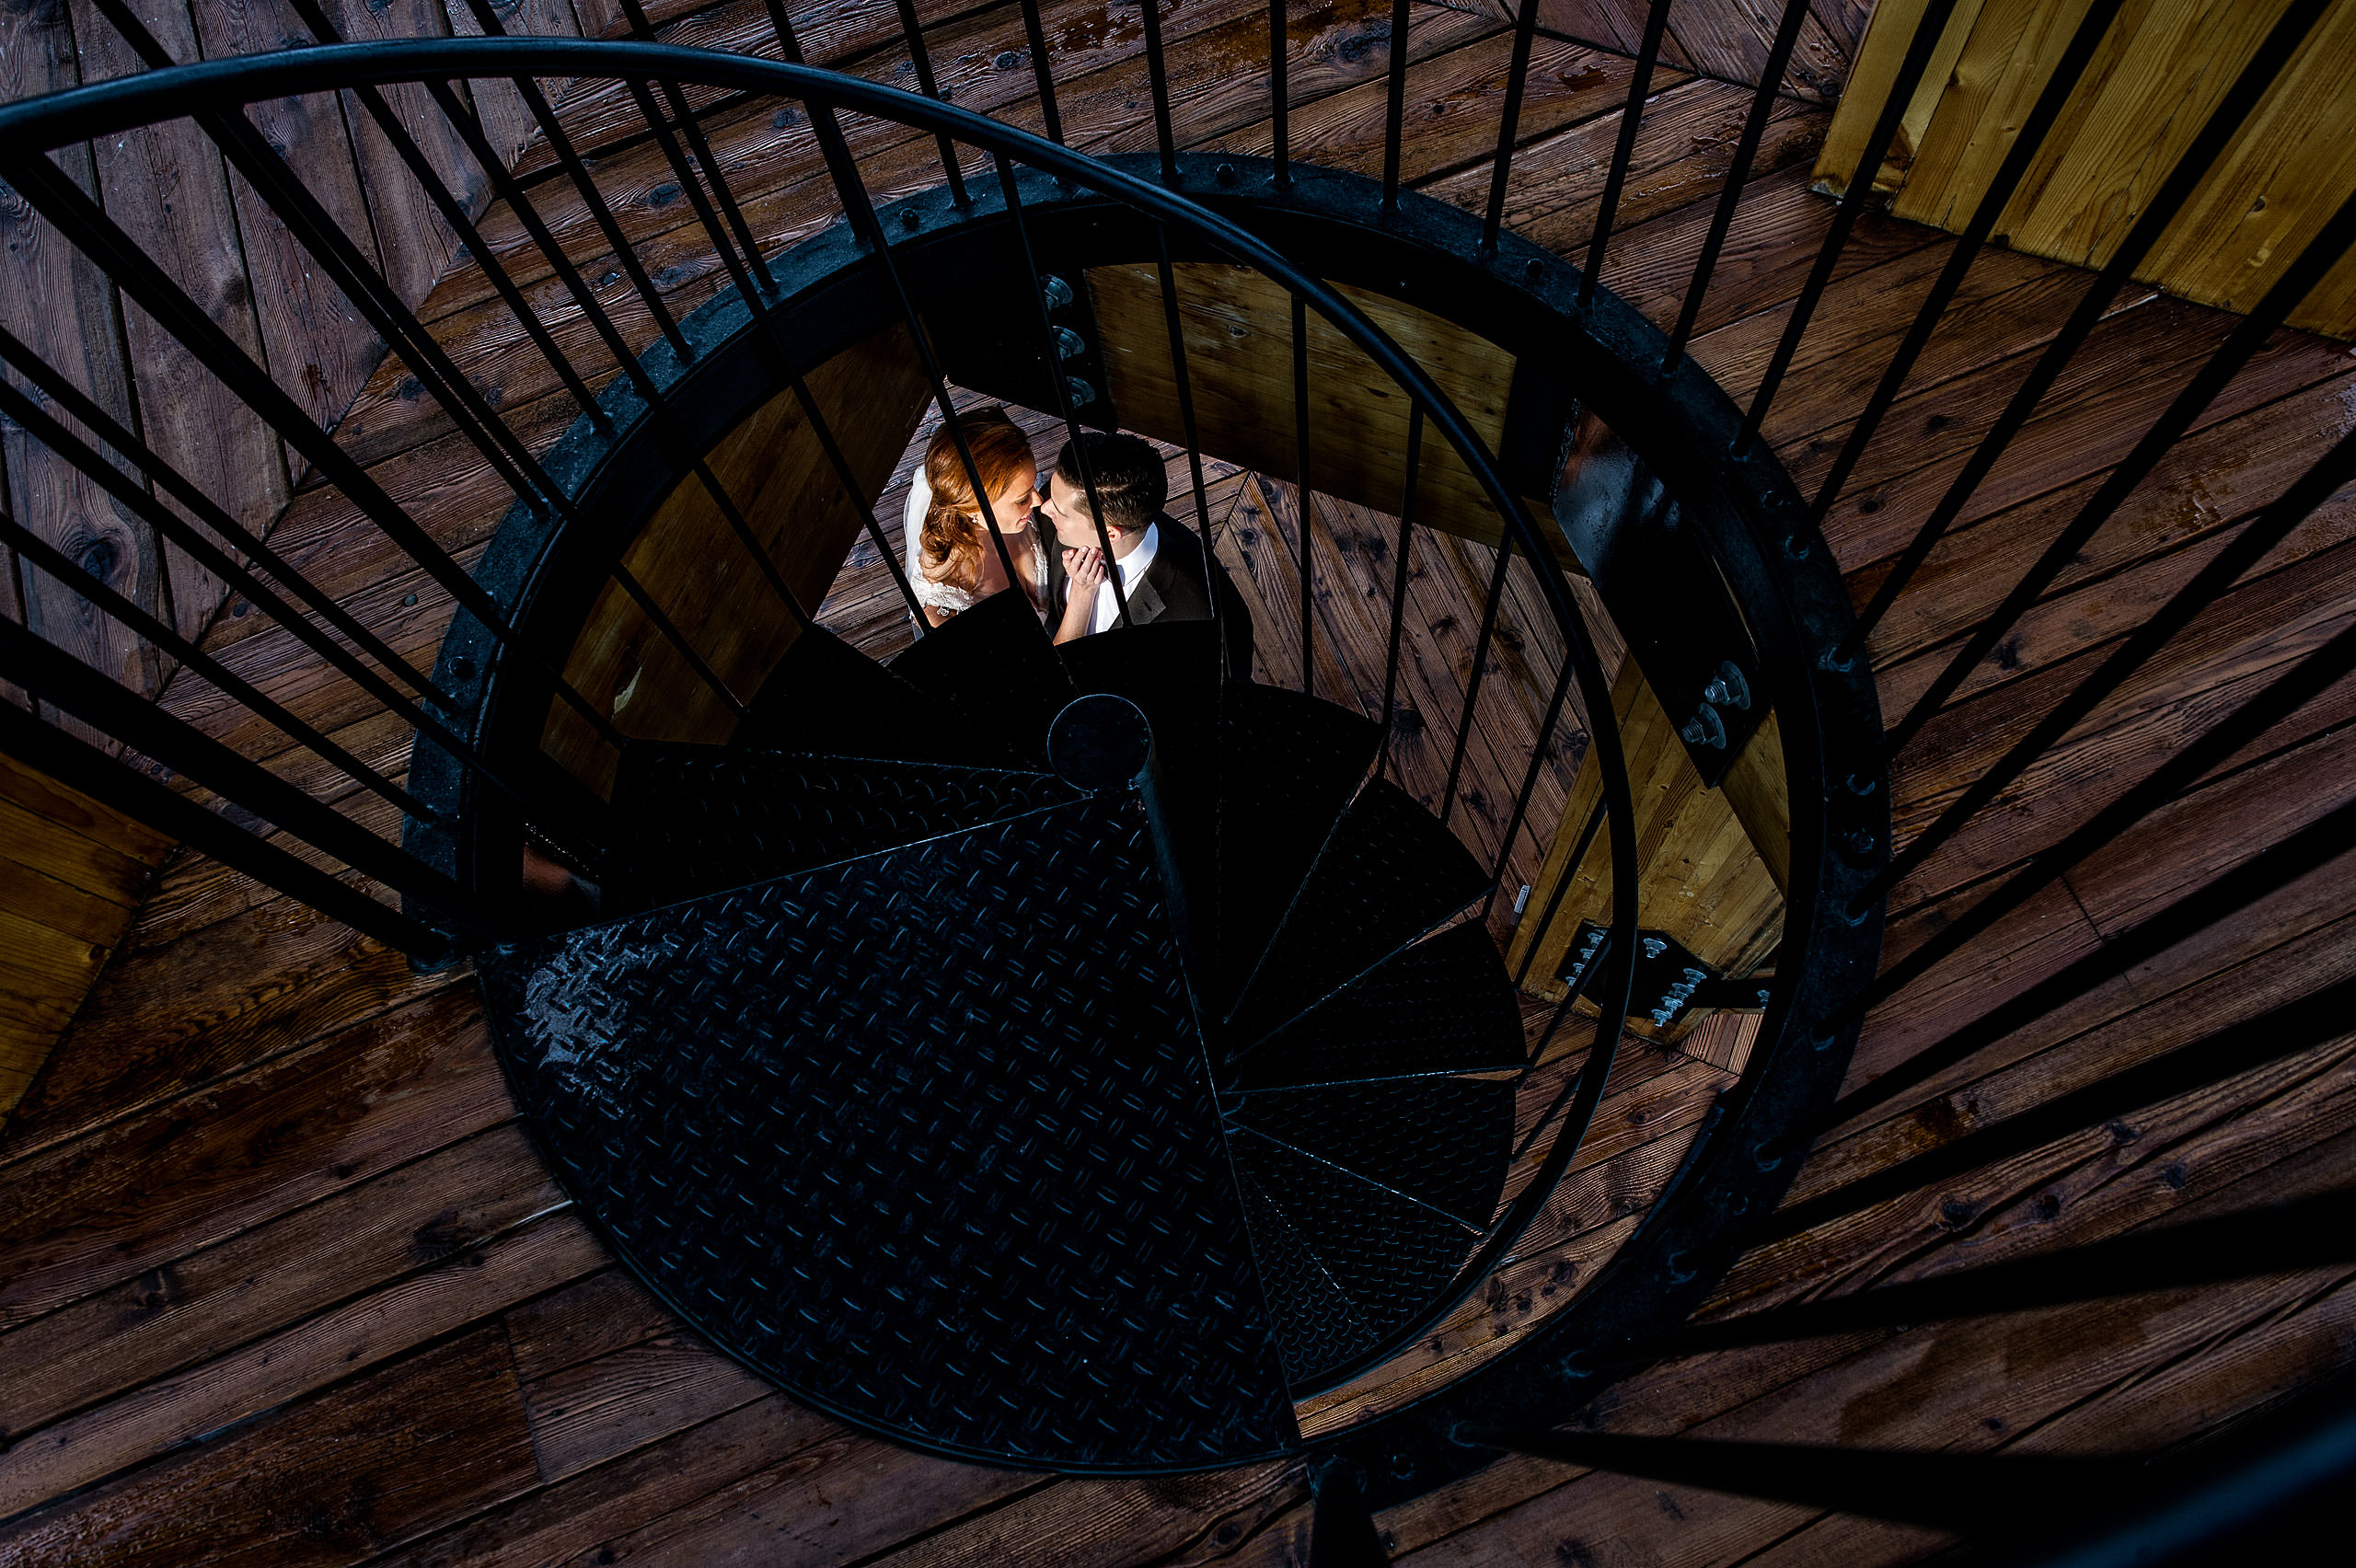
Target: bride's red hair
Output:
[(954, 533)]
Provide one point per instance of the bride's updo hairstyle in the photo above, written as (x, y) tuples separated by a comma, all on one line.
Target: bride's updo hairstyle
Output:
[(955, 524)]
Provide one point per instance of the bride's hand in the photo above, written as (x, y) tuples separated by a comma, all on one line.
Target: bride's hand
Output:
[(1083, 576)]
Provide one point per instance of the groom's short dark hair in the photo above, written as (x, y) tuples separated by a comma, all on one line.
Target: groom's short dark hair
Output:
[(1131, 483)]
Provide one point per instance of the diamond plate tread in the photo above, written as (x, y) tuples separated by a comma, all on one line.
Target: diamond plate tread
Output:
[(1288, 765), (1387, 873), (1317, 1326), (711, 818), (1445, 1142), (994, 665), (928, 1137), (1445, 1005), (826, 697), (1392, 1256)]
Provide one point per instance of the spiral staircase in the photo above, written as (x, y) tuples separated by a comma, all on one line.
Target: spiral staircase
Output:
[(1087, 1059), (912, 1085)]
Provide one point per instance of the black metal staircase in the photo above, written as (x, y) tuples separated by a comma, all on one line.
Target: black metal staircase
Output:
[(897, 1082)]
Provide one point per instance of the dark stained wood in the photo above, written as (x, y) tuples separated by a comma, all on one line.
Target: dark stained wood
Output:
[(420, 1214), (590, 1411), (166, 187), (58, 305), (579, 1519), (372, 1464)]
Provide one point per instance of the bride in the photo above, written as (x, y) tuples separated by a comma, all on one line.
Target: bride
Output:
[(956, 562)]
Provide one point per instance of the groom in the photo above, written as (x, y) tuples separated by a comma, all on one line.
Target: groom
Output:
[(1160, 561)]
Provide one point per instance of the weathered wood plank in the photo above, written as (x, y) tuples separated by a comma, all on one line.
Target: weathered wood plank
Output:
[(607, 1312), (1683, 147), (354, 1472), (148, 1190), (166, 185), (163, 1020), (2120, 379), (578, 1519), (190, 1308), (57, 302), (392, 1320), (596, 1410)]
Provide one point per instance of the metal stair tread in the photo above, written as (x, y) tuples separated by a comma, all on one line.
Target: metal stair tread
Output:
[(825, 695), (1442, 1005), (1289, 764), (810, 1172), (1317, 1326), (712, 817), (993, 665), (1388, 874), (1389, 1256), (1445, 1143)]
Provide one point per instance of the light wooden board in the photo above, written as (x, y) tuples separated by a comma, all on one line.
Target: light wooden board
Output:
[(1703, 880), (2161, 70), (692, 564), (1238, 345), (71, 873)]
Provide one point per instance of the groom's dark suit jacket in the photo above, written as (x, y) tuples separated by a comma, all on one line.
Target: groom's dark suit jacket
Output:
[(1175, 588)]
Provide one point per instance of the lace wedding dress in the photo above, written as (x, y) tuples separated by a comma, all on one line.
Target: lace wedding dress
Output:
[(948, 598)]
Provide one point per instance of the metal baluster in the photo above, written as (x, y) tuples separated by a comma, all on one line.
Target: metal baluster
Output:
[(267, 171), (1927, 34), (1528, 783), (1168, 276), (1984, 218), (1280, 92), (1399, 575), (171, 525), (856, 201), (1051, 116), (1525, 32), (1157, 74), (2216, 133), (2284, 1031), (469, 237), (2264, 874), (1746, 151), (1301, 496), (78, 217), (1562, 885), (1395, 114), (2305, 1233), (56, 676), (1052, 360), (742, 271), (2318, 258), (104, 777), (1480, 666), (1941, 1491), (63, 568), (1631, 116), (912, 33), (169, 479), (568, 157), (2334, 471)]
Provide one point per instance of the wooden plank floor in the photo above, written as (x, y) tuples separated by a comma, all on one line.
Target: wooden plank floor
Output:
[(280, 1280)]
